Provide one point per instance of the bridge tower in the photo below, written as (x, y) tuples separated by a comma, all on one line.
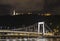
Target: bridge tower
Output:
[(39, 30), (39, 26)]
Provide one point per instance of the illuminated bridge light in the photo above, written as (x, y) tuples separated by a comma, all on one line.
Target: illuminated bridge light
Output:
[(47, 14), (48, 34), (14, 13), (29, 13)]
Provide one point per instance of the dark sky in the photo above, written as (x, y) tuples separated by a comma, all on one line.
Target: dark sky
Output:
[(51, 6), (28, 19), (34, 6)]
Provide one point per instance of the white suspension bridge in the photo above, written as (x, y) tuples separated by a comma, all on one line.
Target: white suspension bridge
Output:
[(36, 30)]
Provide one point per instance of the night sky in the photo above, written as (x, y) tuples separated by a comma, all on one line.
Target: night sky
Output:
[(40, 6), (35, 6), (28, 20)]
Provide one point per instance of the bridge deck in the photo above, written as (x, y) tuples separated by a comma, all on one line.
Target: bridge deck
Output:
[(23, 33)]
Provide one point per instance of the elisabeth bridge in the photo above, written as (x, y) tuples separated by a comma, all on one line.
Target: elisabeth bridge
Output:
[(32, 32)]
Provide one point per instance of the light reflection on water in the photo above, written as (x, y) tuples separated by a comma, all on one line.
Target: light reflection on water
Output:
[(34, 39)]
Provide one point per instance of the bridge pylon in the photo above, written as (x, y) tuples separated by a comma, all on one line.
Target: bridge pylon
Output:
[(39, 27)]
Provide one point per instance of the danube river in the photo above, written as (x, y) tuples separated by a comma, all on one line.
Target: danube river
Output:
[(32, 39)]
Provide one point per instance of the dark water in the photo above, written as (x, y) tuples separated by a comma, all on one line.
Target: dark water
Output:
[(32, 39)]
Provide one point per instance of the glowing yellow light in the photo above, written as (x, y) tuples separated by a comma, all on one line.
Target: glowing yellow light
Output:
[(47, 14), (50, 34), (29, 13), (55, 30)]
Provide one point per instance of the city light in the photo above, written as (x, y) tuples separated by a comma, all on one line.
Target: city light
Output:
[(47, 14), (14, 13), (29, 13)]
